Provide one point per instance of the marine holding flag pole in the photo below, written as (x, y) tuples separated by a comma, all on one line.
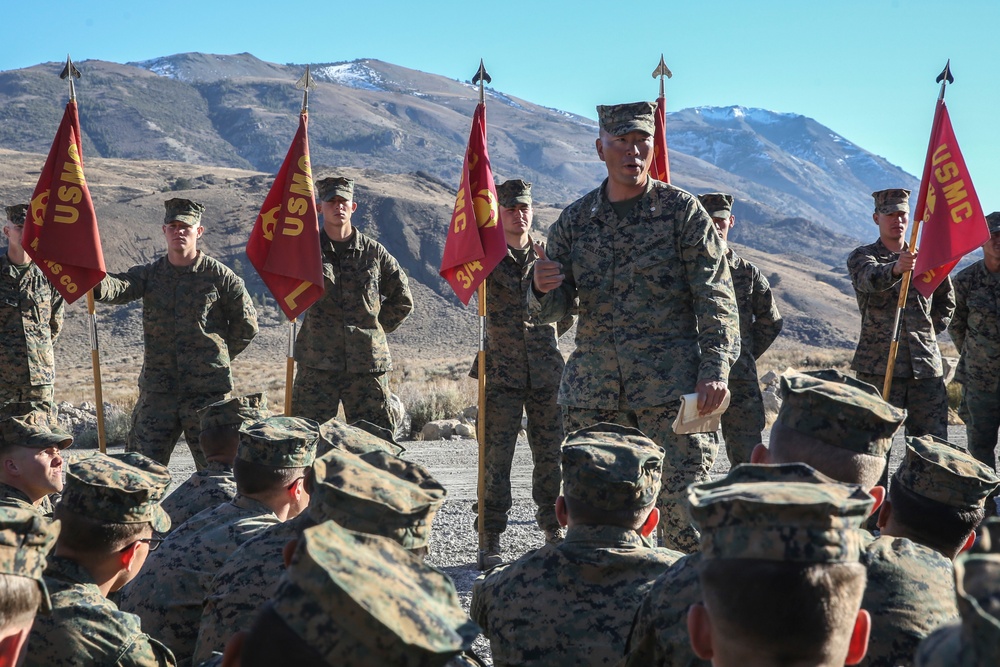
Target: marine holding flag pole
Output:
[(62, 237), (661, 160), (284, 246), (948, 207)]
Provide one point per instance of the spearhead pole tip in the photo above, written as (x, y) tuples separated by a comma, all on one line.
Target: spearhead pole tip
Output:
[(481, 77), (944, 78), (70, 72), (662, 71), (306, 83)]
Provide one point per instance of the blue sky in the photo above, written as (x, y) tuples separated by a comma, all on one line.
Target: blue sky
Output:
[(864, 68)]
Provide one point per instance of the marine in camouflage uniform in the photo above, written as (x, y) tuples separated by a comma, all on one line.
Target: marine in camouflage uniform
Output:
[(911, 588), (31, 316), (214, 484), (760, 324), (821, 409), (780, 574), (523, 369), (168, 595), (25, 541), (31, 462), (573, 603), (84, 627), (876, 273), (657, 312), (375, 493), (975, 328), (196, 317), (975, 642), (341, 352), (357, 600)]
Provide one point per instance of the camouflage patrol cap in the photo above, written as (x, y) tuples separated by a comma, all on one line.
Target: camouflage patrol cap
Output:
[(611, 467), (892, 200), (33, 430), (26, 538), (838, 410), (942, 472), (513, 192), (718, 204), (364, 600), (619, 119), (234, 411), (335, 186), (17, 213), (376, 493), (799, 516), (183, 210), (279, 442), (993, 222), (120, 488), (358, 438)]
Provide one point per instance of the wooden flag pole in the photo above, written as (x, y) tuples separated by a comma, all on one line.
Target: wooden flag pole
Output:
[(305, 83), (95, 360), (70, 72), (482, 77), (944, 78)]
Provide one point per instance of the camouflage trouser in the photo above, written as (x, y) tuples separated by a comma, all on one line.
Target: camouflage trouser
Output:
[(926, 405), (17, 401), (159, 418), (982, 422), (743, 421), (317, 394), (688, 459), (504, 407)]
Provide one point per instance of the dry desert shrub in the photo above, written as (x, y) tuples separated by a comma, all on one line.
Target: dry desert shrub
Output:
[(435, 391)]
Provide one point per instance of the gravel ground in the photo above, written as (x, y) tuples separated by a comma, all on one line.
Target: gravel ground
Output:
[(454, 542)]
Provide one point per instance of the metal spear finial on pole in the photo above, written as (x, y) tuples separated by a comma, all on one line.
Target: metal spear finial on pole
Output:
[(305, 84), (944, 78), (70, 72), (662, 71), (481, 77)]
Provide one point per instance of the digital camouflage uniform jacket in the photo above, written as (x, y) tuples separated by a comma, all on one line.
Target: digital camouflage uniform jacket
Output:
[(169, 591), (910, 592), (31, 315), (85, 628), (877, 292), (247, 580), (975, 327), (657, 311), (203, 490), (570, 604), (195, 320), (659, 635), (367, 296), (520, 354), (760, 321)]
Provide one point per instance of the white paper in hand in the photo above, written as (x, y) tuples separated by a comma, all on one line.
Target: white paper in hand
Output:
[(689, 421)]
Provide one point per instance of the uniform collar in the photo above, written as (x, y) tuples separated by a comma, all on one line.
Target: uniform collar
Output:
[(647, 206), (353, 241), (602, 536)]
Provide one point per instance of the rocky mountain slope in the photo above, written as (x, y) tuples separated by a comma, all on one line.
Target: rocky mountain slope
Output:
[(238, 111)]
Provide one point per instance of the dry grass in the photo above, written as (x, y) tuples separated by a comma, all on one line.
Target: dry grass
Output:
[(803, 359)]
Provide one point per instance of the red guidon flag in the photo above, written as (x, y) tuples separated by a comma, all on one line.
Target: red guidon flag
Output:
[(661, 160), (60, 233), (954, 224), (284, 244), (475, 243)]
